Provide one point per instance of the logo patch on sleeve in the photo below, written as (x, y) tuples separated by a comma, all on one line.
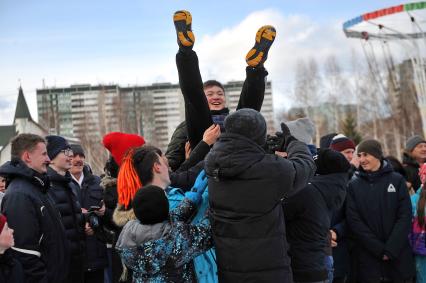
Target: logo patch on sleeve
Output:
[(391, 189)]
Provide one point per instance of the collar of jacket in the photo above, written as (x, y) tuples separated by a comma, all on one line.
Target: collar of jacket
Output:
[(385, 168), (407, 159), (224, 111)]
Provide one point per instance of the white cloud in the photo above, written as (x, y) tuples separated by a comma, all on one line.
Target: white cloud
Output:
[(221, 55)]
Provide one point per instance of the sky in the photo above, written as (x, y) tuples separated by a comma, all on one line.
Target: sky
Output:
[(133, 42)]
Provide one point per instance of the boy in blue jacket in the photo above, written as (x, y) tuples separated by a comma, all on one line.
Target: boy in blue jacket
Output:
[(159, 246)]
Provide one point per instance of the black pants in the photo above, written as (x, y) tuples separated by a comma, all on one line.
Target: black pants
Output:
[(76, 272), (197, 112), (94, 276)]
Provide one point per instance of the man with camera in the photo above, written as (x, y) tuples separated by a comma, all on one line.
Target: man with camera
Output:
[(63, 194), (90, 196)]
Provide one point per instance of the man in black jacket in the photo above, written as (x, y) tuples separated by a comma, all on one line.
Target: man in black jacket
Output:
[(65, 196), (205, 103), (308, 216), (414, 156), (378, 213), (90, 195), (40, 242), (246, 187)]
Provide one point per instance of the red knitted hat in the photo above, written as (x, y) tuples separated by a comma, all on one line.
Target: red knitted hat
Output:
[(119, 143), (341, 142), (3, 221)]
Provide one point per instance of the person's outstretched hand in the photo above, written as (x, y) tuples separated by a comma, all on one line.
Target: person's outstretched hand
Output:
[(287, 138), (198, 189)]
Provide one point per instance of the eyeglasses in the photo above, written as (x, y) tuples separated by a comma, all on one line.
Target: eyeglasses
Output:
[(68, 152)]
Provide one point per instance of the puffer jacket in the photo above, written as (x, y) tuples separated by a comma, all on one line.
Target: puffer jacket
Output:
[(65, 196), (246, 186), (41, 245), (163, 252), (307, 217)]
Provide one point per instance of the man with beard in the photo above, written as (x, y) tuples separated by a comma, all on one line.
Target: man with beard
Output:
[(64, 194), (40, 242), (90, 195)]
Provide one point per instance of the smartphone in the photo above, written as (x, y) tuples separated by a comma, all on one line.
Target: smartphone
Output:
[(94, 207)]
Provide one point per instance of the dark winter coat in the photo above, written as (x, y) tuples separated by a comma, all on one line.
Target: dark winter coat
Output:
[(412, 167), (10, 269), (246, 186), (40, 241), (163, 252), (307, 217), (64, 193), (91, 194), (378, 213)]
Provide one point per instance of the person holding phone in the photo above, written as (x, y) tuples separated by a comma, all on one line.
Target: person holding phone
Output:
[(93, 208)]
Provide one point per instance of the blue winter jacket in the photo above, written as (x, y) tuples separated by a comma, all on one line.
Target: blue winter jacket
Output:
[(205, 264)]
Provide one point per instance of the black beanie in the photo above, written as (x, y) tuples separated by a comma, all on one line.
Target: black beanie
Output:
[(249, 123), (55, 144), (150, 205), (77, 150), (329, 161), (372, 147)]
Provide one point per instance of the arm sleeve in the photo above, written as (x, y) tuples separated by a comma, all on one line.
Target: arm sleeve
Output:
[(197, 155), (195, 239), (22, 217), (398, 238), (302, 162), (361, 231), (185, 179), (183, 211)]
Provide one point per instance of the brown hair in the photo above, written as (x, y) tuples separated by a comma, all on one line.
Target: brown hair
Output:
[(211, 83), (24, 142), (421, 207)]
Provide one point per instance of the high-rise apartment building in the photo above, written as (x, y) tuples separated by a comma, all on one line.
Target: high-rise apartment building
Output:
[(153, 111)]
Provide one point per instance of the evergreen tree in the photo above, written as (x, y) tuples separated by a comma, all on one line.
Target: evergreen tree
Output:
[(349, 129)]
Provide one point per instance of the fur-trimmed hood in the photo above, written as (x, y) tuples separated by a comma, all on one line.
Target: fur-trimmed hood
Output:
[(108, 182), (121, 216)]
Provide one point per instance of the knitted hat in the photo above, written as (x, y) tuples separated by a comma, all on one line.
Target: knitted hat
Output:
[(372, 147), (329, 161), (55, 144), (150, 205), (341, 142), (3, 221), (302, 129), (119, 143), (413, 142), (77, 150), (249, 123), (325, 141)]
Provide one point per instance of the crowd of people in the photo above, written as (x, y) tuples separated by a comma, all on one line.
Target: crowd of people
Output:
[(225, 202)]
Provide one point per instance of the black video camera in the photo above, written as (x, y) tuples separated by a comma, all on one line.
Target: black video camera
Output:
[(93, 219), (275, 142)]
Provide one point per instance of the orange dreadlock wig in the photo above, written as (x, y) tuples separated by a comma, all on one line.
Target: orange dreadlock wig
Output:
[(128, 181)]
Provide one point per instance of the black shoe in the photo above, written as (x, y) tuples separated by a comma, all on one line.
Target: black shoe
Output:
[(265, 36), (185, 37)]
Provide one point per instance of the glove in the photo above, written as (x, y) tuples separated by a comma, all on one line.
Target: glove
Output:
[(198, 189), (287, 138)]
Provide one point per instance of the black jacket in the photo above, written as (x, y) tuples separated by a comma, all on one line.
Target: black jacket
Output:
[(307, 217), (378, 213), (91, 194), (10, 269), (246, 186), (64, 193), (40, 242), (412, 167)]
